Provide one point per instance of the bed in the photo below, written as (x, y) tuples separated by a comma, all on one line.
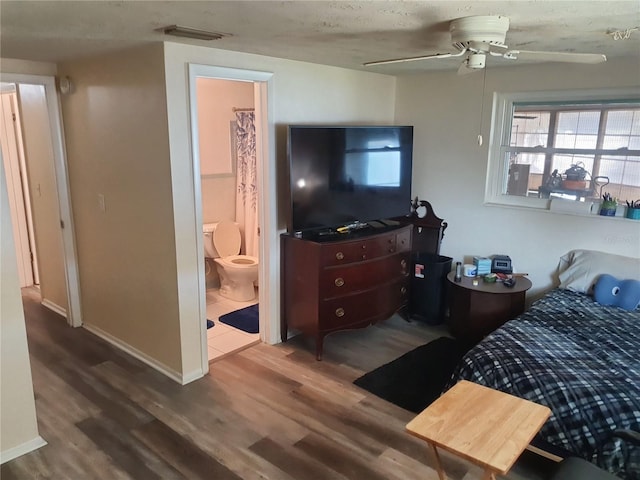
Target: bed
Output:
[(579, 358)]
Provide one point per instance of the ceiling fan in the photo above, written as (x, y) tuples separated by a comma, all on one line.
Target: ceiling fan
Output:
[(477, 37)]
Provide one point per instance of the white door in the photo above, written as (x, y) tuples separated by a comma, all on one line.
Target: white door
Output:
[(18, 206)]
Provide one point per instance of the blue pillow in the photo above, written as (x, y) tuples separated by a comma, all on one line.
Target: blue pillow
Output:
[(609, 290)]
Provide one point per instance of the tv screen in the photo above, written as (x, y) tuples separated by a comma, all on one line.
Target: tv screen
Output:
[(345, 174)]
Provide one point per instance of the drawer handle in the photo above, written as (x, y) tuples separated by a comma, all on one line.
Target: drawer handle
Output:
[(403, 263), (339, 255), (340, 312), (364, 246), (339, 282), (392, 249), (364, 257), (403, 290)]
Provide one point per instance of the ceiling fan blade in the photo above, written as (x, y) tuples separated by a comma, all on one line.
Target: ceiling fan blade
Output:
[(413, 59), (591, 58)]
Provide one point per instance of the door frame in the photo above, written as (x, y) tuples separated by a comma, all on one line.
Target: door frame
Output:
[(263, 88), (74, 313)]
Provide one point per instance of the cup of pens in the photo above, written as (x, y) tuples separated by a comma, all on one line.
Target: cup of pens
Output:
[(633, 210), (608, 206)]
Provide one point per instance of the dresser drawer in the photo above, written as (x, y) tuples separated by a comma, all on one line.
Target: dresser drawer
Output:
[(367, 249), (343, 280), (403, 240), (362, 308)]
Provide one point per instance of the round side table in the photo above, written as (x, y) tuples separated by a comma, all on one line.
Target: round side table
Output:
[(477, 310)]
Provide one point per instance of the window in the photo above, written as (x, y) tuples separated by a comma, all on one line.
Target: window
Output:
[(575, 145)]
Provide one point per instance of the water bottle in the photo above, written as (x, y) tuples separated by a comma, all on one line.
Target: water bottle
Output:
[(458, 277)]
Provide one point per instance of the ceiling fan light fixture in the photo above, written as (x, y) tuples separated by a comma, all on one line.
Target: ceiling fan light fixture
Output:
[(187, 32), (476, 60)]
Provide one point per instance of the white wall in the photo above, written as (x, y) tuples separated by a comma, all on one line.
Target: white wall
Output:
[(450, 168), (18, 426), (216, 100), (117, 147), (301, 93)]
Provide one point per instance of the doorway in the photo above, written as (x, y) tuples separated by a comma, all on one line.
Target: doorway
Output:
[(46, 215), (253, 102), (228, 167)]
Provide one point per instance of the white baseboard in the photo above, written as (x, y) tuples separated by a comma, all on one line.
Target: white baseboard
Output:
[(52, 306), (143, 357), (191, 376), (22, 449)]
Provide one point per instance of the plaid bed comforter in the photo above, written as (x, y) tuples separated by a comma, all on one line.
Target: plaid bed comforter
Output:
[(580, 359)]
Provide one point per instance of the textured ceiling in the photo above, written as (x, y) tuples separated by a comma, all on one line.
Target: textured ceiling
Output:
[(342, 33)]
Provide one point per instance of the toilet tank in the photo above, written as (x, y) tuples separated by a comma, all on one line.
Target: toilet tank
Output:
[(207, 232)]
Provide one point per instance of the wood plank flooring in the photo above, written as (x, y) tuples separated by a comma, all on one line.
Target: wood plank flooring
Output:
[(268, 412)]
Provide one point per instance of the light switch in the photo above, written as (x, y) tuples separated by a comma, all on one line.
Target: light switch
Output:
[(101, 204)]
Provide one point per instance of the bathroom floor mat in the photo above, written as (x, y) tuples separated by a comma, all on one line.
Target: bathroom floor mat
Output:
[(245, 319), (209, 324)]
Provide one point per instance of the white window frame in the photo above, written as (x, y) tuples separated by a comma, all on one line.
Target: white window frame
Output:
[(497, 170)]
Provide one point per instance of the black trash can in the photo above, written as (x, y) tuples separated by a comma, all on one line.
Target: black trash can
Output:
[(427, 302)]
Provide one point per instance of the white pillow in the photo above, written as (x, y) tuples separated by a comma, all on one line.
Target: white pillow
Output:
[(579, 269)]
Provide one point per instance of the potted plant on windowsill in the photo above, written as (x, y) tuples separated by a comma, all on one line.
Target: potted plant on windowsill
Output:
[(608, 206), (633, 209), (575, 177)]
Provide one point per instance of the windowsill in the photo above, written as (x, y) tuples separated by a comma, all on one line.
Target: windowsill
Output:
[(532, 208)]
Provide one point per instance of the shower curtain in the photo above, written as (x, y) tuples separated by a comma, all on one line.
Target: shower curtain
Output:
[(246, 181)]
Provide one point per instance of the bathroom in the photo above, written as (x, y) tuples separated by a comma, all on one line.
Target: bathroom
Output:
[(226, 142)]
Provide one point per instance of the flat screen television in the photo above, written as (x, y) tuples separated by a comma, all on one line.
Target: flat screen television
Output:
[(344, 174)]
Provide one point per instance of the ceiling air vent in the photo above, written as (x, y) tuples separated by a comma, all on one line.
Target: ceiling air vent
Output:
[(187, 32)]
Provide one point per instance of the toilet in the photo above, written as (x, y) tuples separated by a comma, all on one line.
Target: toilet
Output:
[(238, 273)]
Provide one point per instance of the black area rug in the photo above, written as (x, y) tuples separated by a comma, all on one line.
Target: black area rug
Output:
[(417, 378), (245, 319)]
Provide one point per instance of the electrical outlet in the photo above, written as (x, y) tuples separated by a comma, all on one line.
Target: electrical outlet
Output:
[(101, 204)]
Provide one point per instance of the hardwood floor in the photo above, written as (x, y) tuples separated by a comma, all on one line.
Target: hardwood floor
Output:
[(268, 412)]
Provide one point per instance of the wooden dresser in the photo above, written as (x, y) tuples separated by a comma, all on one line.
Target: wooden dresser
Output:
[(343, 283)]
